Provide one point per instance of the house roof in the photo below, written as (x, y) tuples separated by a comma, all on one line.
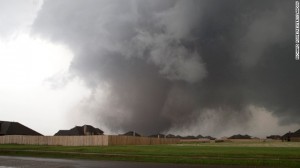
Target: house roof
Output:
[(15, 128), (132, 133), (210, 137), (79, 130), (90, 128), (189, 137), (274, 137), (170, 136), (158, 135), (296, 133), (239, 136), (292, 134)]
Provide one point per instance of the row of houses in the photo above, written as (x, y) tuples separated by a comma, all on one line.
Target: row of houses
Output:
[(15, 128), (16, 133), (289, 136)]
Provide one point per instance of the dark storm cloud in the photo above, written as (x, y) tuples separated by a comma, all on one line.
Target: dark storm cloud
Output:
[(164, 63)]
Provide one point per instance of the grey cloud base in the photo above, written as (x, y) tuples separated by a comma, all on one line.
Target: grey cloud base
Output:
[(163, 63)]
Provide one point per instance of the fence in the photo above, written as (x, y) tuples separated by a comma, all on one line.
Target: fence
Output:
[(244, 140), (295, 139), (95, 140), (130, 140)]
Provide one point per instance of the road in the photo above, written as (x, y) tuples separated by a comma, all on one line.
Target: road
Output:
[(31, 162)]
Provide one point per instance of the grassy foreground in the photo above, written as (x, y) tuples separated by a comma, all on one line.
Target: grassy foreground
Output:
[(280, 154)]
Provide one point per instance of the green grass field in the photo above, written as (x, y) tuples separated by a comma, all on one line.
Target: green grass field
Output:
[(274, 154)]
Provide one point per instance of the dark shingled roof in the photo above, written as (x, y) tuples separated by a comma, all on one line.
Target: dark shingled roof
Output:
[(274, 137), (239, 136), (79, 130), (296, 134), (157, 135), (210, 137), (132, 133), (15, 128), (292, 134), (170, 136), (189, 137)]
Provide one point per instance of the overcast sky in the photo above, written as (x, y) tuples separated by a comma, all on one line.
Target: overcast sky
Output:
[(186, 67)]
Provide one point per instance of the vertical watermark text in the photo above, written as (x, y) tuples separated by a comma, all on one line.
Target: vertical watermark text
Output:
[(297, 30)]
